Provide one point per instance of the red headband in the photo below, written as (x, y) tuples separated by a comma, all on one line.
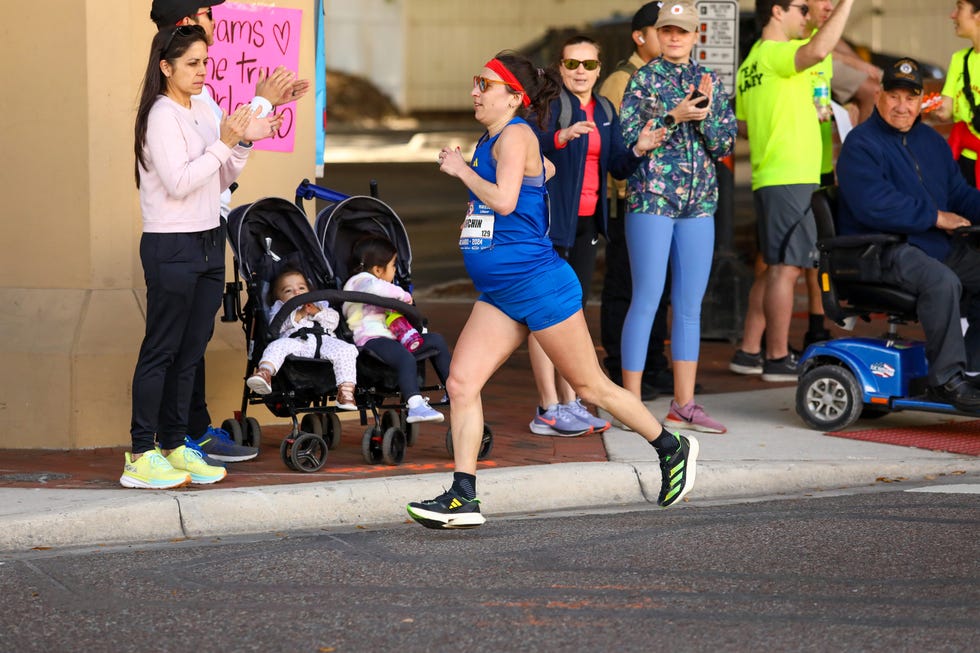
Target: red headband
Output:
[(508, 77)]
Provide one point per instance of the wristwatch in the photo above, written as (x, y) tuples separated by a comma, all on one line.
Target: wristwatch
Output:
[(669, 120)]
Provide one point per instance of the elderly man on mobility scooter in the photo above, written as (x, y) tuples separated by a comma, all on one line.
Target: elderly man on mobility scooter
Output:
[(898, 176)]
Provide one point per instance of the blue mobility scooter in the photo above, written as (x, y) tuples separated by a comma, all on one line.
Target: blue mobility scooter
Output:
[(845, 379)]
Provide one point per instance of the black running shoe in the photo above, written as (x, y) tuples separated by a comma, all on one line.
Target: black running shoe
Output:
[(677, 470), (448, 510)]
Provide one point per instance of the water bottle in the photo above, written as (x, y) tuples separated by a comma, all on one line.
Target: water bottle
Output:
[(821, 97), (403, 330)]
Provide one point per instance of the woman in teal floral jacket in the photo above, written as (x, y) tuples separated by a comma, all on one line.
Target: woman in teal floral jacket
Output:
[(671, 202)]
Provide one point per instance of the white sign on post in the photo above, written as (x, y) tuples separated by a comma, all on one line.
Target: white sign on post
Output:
[(717, 45)]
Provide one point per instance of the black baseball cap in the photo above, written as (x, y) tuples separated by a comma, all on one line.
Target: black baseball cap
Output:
[(904, 73), (167, 13), (646, 16)]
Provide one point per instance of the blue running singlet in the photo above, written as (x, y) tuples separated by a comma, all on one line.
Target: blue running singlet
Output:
[(515, 265)]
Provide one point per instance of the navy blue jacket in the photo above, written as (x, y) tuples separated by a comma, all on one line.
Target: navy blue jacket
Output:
[(565, 188), (896, 183)]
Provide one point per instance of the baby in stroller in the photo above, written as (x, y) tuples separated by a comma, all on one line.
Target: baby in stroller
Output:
[(373, 267), (307, 331)]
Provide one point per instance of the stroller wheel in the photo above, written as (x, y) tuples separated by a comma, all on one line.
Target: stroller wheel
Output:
[(253, 432), (371, 445), (412, 434), (411, 430), (486, 443), (390, 418), (393, 446), (234, 429), (284, 451), (309, 453), (311, 424), (331, 430)]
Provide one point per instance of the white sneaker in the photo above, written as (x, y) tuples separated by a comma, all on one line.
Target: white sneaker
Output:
[(423, 413)]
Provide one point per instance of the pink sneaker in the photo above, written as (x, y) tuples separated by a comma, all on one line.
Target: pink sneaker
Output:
[(692, 418)]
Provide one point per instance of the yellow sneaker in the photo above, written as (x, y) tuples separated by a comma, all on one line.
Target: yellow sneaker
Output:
[(151, 470), (189, 460)]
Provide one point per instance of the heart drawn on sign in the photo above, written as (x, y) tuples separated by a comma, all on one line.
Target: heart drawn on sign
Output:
[(281, 32)]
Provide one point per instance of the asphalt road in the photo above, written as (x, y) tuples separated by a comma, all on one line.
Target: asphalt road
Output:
[(880, 571)]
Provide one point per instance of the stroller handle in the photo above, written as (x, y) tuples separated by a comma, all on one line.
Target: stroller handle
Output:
[(307, 191)]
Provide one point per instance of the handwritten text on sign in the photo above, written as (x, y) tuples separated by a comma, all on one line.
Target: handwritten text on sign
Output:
[(249, 39)]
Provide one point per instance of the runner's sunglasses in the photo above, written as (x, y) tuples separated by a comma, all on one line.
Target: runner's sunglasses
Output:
[(573, 64), (482, 83)]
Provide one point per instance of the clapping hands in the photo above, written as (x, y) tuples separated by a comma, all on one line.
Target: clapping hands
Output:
[(234, 125), (281, 86)]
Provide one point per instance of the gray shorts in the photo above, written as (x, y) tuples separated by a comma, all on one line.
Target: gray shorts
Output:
[(786, 228)]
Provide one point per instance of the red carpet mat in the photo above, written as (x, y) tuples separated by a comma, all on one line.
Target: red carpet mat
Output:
[(954, 437)]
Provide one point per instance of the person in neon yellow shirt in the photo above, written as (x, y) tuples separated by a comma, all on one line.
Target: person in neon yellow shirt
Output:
[(964, 139), (774, 100), (956, 105)]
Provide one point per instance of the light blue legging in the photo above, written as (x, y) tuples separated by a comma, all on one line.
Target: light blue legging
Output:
[(689, 245)]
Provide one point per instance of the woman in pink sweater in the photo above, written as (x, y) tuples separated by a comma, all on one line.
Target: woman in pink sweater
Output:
[(183, 163)]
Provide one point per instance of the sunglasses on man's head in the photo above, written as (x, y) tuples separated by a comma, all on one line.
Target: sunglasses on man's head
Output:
[(482, 82), (183, 31), (573, 64)]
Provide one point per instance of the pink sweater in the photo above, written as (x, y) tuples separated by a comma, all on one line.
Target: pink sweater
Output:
[(188, 168), (366, 320)]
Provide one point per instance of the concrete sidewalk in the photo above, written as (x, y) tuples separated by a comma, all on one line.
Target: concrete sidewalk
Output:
[(759, 456)]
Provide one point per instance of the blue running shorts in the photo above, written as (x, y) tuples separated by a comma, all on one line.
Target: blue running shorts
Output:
[(541, 301)]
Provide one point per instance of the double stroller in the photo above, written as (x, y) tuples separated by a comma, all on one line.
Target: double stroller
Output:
[(272, 233)]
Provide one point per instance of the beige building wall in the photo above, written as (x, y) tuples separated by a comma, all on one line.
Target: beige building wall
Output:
[(71, 282), (445, 43)]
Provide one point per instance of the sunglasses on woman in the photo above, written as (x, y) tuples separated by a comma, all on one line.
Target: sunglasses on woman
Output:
[(482, 82), (183, 31), (573, 64)]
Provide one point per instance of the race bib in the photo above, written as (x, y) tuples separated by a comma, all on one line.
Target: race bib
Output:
[(477, 232)]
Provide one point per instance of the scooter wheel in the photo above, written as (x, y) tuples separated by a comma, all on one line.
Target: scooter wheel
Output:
[(828, 398)]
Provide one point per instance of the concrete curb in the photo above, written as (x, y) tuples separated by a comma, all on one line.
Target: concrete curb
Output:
[(59, 518), (52, 518)]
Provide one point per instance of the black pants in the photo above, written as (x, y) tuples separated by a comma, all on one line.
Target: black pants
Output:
[(938, 287), (404, 363), (185, 274), (581, 255), (617, 292), (198, 418)]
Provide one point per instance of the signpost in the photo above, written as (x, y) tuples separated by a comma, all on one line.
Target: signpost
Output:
[(726, 298), (717, 46)]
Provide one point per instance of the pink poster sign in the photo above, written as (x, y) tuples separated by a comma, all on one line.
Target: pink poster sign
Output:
[(249, 39)]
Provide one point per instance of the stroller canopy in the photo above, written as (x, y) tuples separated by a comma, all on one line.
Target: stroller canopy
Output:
[(272, 233), (340, 225)]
